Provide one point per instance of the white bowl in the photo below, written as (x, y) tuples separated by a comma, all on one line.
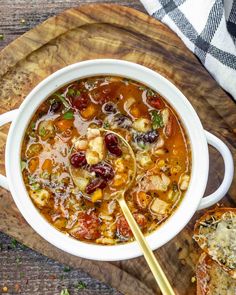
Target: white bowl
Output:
[(200, 158)]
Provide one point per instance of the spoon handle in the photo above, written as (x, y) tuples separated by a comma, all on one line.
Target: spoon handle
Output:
[(155, 267)]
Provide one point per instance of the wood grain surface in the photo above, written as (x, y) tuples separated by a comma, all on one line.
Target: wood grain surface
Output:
[(98, 31)]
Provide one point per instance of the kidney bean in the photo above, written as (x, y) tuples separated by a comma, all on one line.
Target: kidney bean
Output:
[(111, 142), (109, 108), (103, 170), (94, 184), (156, 102), (55, 106), (150, 136), (115, 150), (80, 102), (78, 159), (122, 121)]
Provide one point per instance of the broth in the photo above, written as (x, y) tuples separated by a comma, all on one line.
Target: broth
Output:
[(63, 134)]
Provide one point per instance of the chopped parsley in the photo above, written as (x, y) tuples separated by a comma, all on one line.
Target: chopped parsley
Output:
[(67, 269), (68, 115), (141, 144), (150, 92), (80, 285), (157, 121), (42, 131), (65, 292), (106, 125), (18, 260), (14, 243), (35, 186), (63, 100), (71, 91)]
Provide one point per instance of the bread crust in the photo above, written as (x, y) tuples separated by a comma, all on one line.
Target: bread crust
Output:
[(208, 282), (217, 214), (202, 274)]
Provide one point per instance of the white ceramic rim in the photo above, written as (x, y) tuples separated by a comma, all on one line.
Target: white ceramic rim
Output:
[(189, 118)]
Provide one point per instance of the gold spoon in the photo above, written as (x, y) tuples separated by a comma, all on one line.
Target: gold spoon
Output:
[(151, 260)]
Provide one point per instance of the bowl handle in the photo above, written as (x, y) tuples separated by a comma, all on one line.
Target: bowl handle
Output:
[(4, 119), (228, 175)]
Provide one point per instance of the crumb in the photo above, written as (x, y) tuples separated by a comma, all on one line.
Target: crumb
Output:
[(193, 279), (5, 289)]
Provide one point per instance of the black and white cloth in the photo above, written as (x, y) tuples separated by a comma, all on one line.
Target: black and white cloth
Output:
[(208, 28)]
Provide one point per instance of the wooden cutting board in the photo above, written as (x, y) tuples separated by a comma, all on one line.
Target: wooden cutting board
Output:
[(112, 31)]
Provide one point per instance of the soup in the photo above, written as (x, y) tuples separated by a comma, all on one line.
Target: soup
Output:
[(65, 138)]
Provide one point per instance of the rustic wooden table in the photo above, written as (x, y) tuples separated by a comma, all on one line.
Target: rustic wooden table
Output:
[(26, 272), (22, 270)]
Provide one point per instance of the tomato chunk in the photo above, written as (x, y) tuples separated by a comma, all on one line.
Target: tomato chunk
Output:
[(123, 228), (87, 226), (156, 102)]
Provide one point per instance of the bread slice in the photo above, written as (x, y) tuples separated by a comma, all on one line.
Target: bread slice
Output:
[(212, 279), (215, 233)]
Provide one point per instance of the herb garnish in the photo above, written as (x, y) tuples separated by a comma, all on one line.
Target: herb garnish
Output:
[(157, 121), (63, 100), (80, 286), (68, 115), (106, 124), (65, 292), (42, 131), (66, 269), (14, 243)]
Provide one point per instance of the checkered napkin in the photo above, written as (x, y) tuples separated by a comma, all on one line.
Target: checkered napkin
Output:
[(208, 28)]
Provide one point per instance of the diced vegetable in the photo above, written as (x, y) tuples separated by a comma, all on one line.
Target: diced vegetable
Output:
[(80, 144), (64, 124), (87, 227), (33, 164), (106, 241), (119, 179), (184, 182), (97, 145), (157, 183), (92, 133), (81, 183), (34, 150), (40, 197), (92, 157), (168, 122), (47, 165), (97, 195), (135, 111), (143, 199), (144, 159), (89, 112), (120, 165), (142, 125), (46, 129), (159, 206)]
